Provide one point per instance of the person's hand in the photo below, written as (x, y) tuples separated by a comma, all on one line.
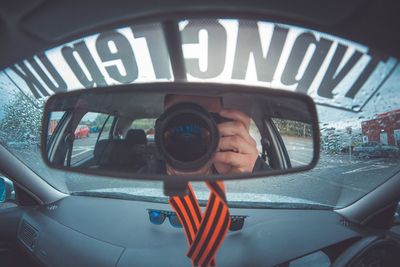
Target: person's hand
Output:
[(237, 150)]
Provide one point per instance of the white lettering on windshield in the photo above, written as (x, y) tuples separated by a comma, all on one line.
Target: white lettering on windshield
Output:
[(329, 69)]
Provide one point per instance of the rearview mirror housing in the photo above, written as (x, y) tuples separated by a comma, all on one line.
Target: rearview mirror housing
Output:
[(139, 131)]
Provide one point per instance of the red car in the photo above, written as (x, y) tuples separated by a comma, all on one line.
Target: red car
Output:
[(82, 131)]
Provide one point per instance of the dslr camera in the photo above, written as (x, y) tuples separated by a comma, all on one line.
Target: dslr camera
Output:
[(187, 136)]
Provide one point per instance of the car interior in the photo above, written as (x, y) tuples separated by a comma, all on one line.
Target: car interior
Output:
[(60, 207)]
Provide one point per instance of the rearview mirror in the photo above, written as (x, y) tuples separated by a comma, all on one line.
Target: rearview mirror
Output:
[(147, 131)]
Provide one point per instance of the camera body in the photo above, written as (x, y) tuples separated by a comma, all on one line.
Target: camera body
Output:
[(187, 136)]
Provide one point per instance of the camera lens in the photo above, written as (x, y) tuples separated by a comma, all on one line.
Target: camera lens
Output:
[(186, 136)]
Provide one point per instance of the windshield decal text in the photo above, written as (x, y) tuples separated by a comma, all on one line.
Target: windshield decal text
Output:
[(329, 69)]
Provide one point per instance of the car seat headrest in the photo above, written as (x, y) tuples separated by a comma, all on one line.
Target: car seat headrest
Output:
[(136, 137)]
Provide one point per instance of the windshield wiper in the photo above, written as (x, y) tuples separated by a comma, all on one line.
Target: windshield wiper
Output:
[(232, 204), (279, 205), (119, 195)]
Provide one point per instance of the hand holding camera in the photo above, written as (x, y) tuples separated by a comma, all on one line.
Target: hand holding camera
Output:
[(237, 150), (192, 140)]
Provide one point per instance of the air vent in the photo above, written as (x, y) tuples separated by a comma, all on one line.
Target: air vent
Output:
[(27, 234)]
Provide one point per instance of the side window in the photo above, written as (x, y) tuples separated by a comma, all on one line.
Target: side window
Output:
[(105, 124), (297, 138), (86, 135), (147, 125), (255, 133)]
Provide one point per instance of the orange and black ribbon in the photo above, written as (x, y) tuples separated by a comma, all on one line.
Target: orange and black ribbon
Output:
[(204, 232)]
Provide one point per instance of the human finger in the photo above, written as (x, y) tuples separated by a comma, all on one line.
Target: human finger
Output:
[(236, 115), (237, 144), (240, 162), (232, 128)]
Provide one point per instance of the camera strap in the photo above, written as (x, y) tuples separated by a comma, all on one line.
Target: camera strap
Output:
[(204, 232)]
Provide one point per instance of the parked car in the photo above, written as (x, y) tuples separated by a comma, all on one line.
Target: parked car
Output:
[(376, 149), (82, 131), (94, 129)]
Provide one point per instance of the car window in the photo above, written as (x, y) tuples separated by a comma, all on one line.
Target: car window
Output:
[(90, 129), (297, 138), (255, 133), (103, 126), (147, 125)]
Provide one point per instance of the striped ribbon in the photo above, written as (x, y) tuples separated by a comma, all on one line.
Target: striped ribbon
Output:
[(204, 233)]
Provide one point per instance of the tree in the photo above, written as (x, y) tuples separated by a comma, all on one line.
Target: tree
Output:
[(293, 128)]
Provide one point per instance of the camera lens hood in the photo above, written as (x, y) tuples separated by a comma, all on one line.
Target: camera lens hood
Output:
[(188, 121)]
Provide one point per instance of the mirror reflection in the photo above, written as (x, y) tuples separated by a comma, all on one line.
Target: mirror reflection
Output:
[(177, 133)]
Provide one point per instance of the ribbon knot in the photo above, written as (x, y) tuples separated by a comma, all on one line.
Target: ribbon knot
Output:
[(204, 232)]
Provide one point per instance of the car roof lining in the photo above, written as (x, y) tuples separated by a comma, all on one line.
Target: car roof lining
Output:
[(27, 22), (35, 21)]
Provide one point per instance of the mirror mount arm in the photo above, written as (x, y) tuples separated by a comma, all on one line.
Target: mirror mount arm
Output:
[(175, 188)]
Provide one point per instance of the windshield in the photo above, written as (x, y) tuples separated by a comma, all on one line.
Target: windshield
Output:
[(354, 87)]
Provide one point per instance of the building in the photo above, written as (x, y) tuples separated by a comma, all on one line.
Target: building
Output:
[(385, 128)]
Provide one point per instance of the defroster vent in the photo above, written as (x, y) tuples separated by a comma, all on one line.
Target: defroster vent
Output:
[(27, 234)]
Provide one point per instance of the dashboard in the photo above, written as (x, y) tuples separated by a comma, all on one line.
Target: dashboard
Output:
[(92, 231)]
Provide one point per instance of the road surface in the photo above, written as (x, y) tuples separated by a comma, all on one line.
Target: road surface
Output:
[(83, 148), (300, 150)]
